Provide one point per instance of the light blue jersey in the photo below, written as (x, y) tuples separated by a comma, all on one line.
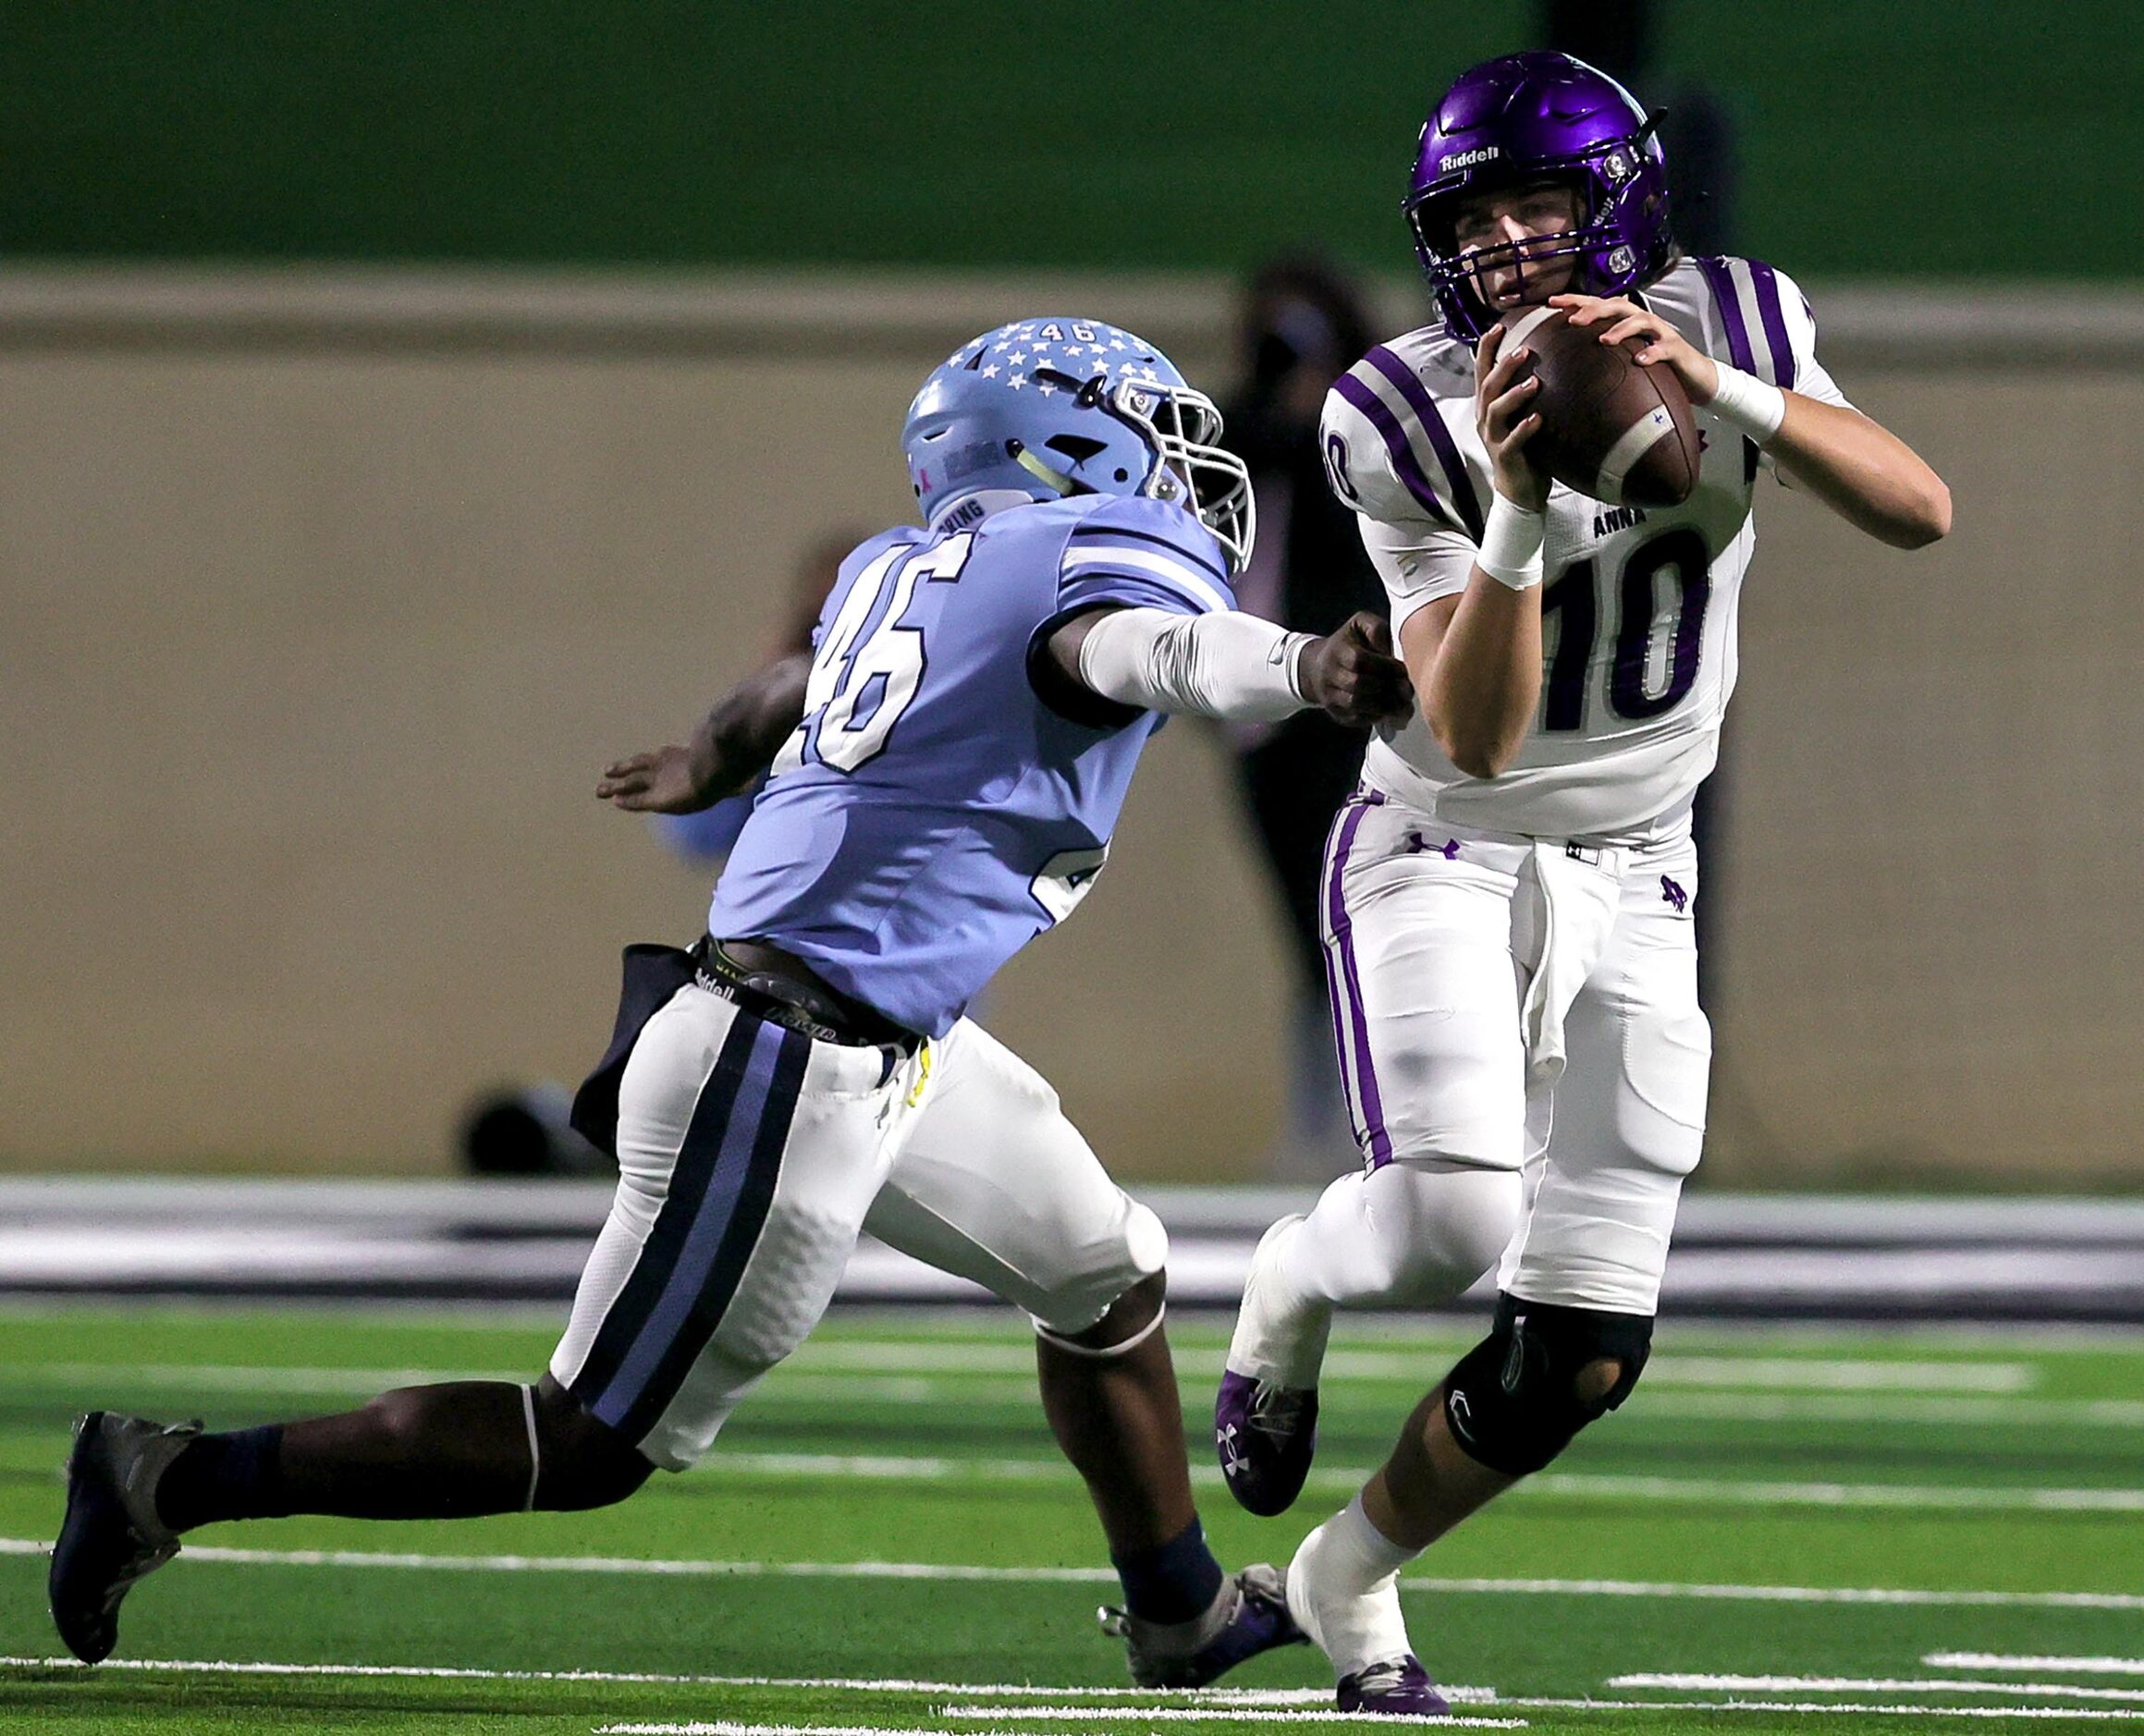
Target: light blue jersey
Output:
[(932, 813)]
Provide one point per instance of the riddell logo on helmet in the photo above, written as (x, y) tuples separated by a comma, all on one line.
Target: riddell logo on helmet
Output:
[(1467, 159)]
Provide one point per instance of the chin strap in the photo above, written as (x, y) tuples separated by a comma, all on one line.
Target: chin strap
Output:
[(1056, 482)]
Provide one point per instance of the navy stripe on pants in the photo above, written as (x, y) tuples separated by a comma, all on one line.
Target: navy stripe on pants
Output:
[(687, 1269)]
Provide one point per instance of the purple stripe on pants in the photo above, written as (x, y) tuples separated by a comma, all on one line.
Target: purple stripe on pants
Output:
[(1773, 314), (1403, 454), (718, 1206), (1408, 383), (1730, 305), (1357, 1033)]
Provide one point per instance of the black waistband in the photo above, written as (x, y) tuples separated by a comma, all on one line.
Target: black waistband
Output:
[(809, 1008)]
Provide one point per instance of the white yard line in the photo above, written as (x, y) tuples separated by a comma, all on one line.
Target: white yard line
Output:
[(1834, 1708), (932, 1571), (1999, 1660), (701, 1727), (1220, 1702), (1875, 1684), (854, 1685)]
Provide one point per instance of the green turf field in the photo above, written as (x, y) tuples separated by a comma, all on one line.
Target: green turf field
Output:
[(1783, 1530)]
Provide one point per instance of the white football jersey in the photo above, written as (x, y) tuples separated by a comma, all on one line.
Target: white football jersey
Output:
[(1638, 603)]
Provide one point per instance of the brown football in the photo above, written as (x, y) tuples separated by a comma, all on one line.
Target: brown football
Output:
[(1611, 429)]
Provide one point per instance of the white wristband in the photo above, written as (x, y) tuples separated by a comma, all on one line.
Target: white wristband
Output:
[(1510, 546), (1290, 655), (1746, 404)]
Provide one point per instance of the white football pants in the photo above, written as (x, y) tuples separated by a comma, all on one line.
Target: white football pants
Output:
[(749, 1159), (1507, 1003)]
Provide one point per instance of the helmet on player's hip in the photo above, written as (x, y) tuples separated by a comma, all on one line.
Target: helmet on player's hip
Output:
[(1537, 175), (1048, 408)]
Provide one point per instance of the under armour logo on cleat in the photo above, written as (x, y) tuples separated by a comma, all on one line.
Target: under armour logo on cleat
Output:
[(1448, 849), (1672, 893)]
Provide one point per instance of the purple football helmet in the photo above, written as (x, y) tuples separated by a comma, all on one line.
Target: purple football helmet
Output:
[(1539, 116)]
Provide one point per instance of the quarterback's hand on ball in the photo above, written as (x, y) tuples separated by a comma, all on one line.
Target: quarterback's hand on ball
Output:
[(1505, 417), (660, 782), (1354, 675), (1620, 318)]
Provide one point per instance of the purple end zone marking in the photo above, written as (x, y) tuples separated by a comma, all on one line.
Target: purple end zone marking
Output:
[(1770, 311), (1395, 439), (703, 1240), (1730, 304), (1344, 932), (1408, 383)]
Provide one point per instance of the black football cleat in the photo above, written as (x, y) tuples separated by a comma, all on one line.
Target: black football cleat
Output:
[(1249, 1617), (111, 1536)]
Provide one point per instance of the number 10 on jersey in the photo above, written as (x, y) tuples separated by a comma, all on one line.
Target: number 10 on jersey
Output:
[(1644, 679)]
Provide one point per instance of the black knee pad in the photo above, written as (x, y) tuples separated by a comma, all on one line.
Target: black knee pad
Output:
[(1512, 1401)]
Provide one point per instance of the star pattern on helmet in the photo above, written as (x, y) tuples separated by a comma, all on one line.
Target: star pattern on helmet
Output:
[(1017, 380)]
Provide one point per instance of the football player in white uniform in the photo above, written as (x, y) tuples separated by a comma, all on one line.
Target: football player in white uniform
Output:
[(1508, 897)]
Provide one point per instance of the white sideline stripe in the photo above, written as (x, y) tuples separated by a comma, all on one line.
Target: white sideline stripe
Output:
[(858, 1684), (1998, 1661), (792, 1385), (1875, 1684), (1701, 1490), (1693, 1491), (1907, 1597), (1836, 1709), (701, 1727), (654, 1566), (661, 1568), (1202, 1714), (926, 1357)]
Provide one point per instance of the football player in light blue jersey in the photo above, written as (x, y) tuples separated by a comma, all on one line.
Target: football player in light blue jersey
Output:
[(944, 773)]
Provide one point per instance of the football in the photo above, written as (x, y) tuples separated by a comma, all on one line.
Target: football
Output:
[(1611, 429)]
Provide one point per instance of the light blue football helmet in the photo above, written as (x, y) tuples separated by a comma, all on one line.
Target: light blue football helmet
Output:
[(1046, 408)]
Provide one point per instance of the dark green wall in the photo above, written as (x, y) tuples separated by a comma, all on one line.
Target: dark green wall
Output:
[(1881, 138)]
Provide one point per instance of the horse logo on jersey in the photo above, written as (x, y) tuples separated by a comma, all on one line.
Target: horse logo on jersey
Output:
[(1673, 892)]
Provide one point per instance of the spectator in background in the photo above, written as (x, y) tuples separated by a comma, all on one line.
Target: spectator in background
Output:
[(521, 1129), (707, 836), (1302, 324)]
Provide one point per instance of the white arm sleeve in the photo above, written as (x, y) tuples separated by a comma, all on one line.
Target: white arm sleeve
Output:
[(1225, 664)]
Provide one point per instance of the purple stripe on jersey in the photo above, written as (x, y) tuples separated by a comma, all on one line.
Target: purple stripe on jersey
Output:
[(1343, 926), (703, 1240), (1774, 317), (1730, 306), (1395, 438), (1408, 383)]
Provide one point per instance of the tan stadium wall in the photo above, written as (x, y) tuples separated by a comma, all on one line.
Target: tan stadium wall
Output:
[(326, 599)]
